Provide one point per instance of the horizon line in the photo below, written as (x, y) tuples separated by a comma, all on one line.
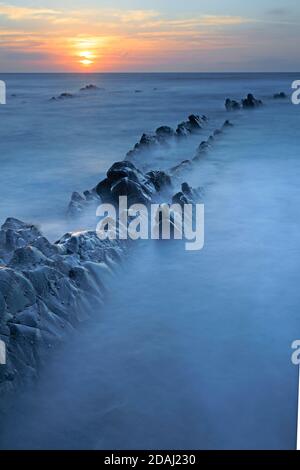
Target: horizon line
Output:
[(155, 72)]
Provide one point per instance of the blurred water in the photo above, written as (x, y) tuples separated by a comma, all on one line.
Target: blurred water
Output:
[(192, 349), (50, 149)]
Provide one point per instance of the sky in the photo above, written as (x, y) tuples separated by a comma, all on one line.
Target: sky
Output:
[(149, 36)]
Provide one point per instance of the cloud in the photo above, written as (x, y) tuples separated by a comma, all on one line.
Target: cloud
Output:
[(25, 13), (278, 12), (118, 39)]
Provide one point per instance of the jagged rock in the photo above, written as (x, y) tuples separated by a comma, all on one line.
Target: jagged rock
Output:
[(45, 290), (232, 105), (159, 179), (79, 203), (124, 179), (16, 234), (62, 96), (202, 149), (227, 124), (193, 125), (187, 195), (135, 191), (90, 87), (164, 133), (251, 102), (182, 166), (280, 95)]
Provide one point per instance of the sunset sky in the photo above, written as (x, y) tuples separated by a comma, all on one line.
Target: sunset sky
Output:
[(149, 36)]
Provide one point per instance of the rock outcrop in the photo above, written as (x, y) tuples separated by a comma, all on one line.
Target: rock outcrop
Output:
[(45, 291), (280, 96), (249, 102), (164, 134)]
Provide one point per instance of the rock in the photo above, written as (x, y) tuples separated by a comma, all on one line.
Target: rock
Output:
[(280, 95), (159, 179), (136, 193), (227, 123), (62, 96), (90, 87), (187, 195), (193, 125), (182, 166), (164, 132), (65, 95), (250, 102), (232, 105), (202, 149)]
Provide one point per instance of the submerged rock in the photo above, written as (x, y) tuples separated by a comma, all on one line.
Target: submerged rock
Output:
[(232, 105), (187, 195), (193, 125), (62, 96), (251, 102), (280, 96), (165, 134), (90, 87)]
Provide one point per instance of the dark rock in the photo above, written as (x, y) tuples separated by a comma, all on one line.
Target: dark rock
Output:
[(193, 125), (251, 102), (90, 87), (136, 192), (187, 195), (227, 123), (232, 105), (123, 169), (164, 132), (159, 179), (182, 166), (279, 96), (63, 96)]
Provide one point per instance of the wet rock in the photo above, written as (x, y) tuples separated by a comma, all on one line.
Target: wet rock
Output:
[(251, 102), (164, 133), (62, 96), (232, 105), (159, 179), (187, 195), (227, 124), (182, 166), (135, 192), (280, 96), (90, 87), (193, 125)]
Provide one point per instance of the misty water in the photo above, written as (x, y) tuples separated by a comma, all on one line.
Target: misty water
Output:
[(192, 349)]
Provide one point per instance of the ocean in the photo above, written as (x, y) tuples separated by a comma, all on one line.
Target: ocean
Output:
[(192, 350)]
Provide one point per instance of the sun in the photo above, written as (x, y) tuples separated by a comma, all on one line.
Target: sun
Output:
[(86, 58)]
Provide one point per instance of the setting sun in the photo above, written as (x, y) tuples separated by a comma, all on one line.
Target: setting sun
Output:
[(87, 57)]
